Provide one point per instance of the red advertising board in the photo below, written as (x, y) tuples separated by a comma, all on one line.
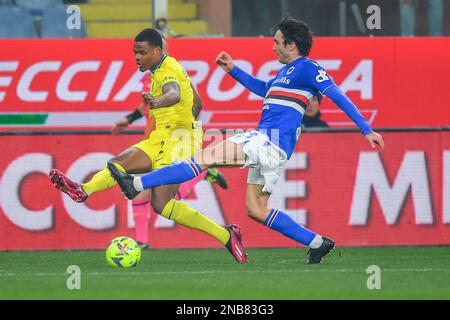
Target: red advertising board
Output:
[(97, 80), (335, 184)]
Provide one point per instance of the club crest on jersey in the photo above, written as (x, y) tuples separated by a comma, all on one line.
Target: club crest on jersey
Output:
[(290, 70)]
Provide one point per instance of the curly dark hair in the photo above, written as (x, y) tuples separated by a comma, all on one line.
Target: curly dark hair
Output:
[(297, 31)]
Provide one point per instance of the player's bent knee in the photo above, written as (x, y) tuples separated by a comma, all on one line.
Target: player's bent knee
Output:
[(158, 205), (114, 160), (118, 160)]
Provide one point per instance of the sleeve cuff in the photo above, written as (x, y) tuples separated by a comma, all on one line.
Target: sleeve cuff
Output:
[(234, 71), (366, 130)]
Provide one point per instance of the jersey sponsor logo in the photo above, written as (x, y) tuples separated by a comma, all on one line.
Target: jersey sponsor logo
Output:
[(284, 80), (291, 69), (168, 78), (322, 76)]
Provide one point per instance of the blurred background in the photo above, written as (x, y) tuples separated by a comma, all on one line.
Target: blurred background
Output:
[(209, 18), (67, 73)]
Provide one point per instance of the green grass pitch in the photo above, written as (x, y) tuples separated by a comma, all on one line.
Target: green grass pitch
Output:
[(406, 273)]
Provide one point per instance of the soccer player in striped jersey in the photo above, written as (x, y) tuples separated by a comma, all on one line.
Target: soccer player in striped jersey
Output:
[(267, 149)]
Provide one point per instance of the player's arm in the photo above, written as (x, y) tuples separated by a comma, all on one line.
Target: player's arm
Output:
[(198, 104), (171, 95), (317, 78), (253, 84), (124, 122), (342, 101)]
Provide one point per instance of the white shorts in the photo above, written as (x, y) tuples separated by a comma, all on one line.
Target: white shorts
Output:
[(265, 159)]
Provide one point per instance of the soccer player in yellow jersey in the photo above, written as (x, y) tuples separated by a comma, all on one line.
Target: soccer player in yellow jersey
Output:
[(141, 206), (177, 137)]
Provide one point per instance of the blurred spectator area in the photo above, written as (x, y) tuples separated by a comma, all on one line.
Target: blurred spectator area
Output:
[(112, 18), (126, 18), (210, 18), (38, 19), (328, 18)]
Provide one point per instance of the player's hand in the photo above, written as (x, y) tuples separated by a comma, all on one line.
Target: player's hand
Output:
[(119, 126), (375, 139), (225, 61), (148, 99)]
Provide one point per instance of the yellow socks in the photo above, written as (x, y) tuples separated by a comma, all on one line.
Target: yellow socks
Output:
[(181, 213), (101, 180), (177, 211)]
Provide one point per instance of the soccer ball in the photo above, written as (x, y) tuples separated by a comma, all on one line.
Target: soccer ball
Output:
[(123, 252)]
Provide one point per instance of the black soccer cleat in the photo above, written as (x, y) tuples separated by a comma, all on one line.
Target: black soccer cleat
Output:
[(124, 180), (316, 255)]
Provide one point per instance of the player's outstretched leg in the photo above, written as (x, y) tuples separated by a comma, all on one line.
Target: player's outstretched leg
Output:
[(282, 222), (132, 159), (174, 174), (80, 192), (183, 171), (71, 188)]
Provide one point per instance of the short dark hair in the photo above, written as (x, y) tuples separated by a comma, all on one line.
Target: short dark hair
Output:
[(297, 31), (150, 35)]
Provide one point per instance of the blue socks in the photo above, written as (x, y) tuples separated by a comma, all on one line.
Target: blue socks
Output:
[(283, 223), (173, 174), (189, 169)]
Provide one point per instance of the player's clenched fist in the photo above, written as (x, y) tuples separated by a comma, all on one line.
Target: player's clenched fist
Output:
[(148, 99), (225, 61)]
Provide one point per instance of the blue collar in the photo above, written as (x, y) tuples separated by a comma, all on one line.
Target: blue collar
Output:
[(295, 61)]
